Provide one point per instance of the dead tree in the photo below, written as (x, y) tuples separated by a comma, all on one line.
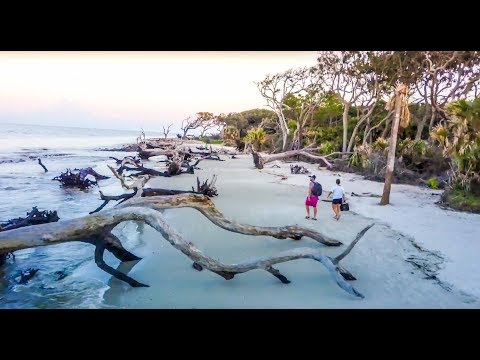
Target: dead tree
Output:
[(34, 217), (166, 131), (96, 229), (78, 178), (191, 124), (206, 188), (174, 168), (260, 160)]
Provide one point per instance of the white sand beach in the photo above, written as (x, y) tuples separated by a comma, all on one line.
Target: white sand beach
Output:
[(416, 256)]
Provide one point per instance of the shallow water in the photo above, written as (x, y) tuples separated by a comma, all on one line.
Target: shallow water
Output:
[(67, 275)]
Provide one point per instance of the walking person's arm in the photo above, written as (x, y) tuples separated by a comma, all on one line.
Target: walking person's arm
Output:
[(329, 193)]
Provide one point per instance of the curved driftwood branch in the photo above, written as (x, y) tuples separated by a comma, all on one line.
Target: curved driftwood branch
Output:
[(207, 208), (95, 229), (260, 160), (107, 199), (138, 183), (352, 244)]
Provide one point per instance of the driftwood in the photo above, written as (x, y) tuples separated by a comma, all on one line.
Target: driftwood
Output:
[(208, 209), (366, 194), (206, 188), (34, 217), (107, 199), (174, 168), (135, 159), (297, 169), (260, 160), (96, 230), (41, 164), (78, 178), (145, 154)]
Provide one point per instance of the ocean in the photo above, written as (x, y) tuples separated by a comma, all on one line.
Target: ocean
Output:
[(67, 276)]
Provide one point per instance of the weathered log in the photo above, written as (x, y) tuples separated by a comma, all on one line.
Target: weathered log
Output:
[(34, 217), (41, 164), (145, 154), (260, 160), (95, 229), (206, 206), (297, 169), (172, 170), (200, 153), (206, 188), (135, 159), (107, 199), (366, 194)]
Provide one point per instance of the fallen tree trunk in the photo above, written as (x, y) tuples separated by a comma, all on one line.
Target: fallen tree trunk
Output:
[(260, 160), (206, 206), (135, 159), (96, 230), (145, 154), (173, 169), (208, 209), (206, 188)]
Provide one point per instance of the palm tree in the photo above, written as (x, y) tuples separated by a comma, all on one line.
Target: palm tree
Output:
[(460, 140), (402, 118)]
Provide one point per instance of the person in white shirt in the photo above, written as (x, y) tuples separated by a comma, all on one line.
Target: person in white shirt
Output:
[(338, 196)]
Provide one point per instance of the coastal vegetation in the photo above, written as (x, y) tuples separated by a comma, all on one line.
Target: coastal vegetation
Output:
[(403, 116)]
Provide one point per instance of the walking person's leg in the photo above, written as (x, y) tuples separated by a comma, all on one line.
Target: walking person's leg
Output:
[(334, 210), (308, 212), (315, 213), (338, 211)]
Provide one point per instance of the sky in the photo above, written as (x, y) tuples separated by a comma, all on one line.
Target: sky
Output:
[(133, 90)]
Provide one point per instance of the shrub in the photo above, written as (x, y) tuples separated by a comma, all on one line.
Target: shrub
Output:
[(433, 183)]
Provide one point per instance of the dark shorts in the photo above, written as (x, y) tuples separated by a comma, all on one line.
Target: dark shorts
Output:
[(311, 201), (336, 201)]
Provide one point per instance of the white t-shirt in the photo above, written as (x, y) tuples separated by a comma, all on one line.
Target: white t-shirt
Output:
[(337, 191)]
